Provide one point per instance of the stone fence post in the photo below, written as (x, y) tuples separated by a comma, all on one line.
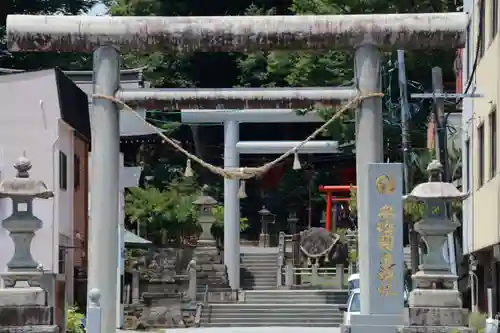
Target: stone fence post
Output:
[(281, 259), (93, 324), (289, 273), (314, 274), (339, 275), (136, 275), (191, 293)]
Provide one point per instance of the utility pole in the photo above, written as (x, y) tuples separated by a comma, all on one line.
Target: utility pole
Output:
[(441, 146), (403, 98), (440, 121)]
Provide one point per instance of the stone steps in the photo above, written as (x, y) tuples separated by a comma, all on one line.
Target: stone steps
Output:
[(227, 315), (338, 297), (258, 271)]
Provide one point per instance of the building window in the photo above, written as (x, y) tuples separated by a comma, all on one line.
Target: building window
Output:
[(63, 171), (482, 34), (76, 173), (62, 260), (494, 19), (493, 142), (480, 141), (467, 165)]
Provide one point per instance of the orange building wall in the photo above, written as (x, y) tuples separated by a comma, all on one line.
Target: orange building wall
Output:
[(80, 198)]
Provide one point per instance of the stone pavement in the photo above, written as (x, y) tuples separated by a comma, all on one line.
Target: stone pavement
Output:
[(243, 330)]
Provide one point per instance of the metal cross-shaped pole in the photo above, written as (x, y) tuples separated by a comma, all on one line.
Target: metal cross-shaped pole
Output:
[(439, 97), (440, 121)]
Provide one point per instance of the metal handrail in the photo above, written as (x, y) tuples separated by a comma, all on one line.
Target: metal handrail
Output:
[(205, 296)]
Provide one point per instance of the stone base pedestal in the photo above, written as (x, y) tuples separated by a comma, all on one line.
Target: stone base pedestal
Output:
[(438, 298), (263, 240), (30, 329), (374, 323), (210, 271), (435, 320), (435, 329), (22, 296), (426, 316), (25, 310)]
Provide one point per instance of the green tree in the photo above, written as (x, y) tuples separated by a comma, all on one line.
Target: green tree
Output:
[(217, 229), (169, 215)]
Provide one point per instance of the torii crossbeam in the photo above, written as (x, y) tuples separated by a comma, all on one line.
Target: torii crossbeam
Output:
[(367, 34)]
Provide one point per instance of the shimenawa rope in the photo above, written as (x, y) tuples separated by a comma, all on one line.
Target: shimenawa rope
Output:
[(243, 172)]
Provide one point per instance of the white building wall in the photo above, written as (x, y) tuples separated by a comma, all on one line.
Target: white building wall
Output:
[(29, 105), (65, 144)]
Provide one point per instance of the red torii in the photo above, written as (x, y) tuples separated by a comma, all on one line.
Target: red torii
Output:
[(328, 189)]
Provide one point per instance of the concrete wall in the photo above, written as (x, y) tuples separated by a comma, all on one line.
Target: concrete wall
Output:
[(481, 211)]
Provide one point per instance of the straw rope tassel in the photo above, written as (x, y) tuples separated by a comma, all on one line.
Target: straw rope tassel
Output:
[(247, 172), (296, 162), (189, 170), (242, 192)]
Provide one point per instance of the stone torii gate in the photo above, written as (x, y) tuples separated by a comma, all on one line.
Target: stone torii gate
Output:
[(251, 100), (104, 36)]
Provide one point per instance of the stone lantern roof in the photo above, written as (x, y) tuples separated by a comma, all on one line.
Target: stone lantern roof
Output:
[(22, 185), (203, 199), (435, 188)]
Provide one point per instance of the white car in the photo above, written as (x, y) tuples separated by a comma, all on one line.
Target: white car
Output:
[(353, 306), (353, 282)]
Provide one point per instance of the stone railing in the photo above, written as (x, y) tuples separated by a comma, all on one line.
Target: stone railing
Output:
[(287, 272), (316, 275)]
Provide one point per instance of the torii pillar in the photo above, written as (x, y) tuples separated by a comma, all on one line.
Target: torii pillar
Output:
[(366, 33)]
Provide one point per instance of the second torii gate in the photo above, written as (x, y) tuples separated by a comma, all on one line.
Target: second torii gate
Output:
[(105, 35)]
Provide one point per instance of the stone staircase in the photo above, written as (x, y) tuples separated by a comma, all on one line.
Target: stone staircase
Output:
[(314, 308), (258, 271), (331, 297)]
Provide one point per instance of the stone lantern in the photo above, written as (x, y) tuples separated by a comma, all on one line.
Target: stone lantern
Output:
[(434, 282), (266, 217), (22, 224), (206, 218)]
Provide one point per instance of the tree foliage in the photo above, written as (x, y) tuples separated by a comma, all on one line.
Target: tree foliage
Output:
[(169, 213)]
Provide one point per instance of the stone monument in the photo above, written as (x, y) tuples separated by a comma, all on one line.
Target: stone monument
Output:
[(381, 242), (435, 305), (23, 303)]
